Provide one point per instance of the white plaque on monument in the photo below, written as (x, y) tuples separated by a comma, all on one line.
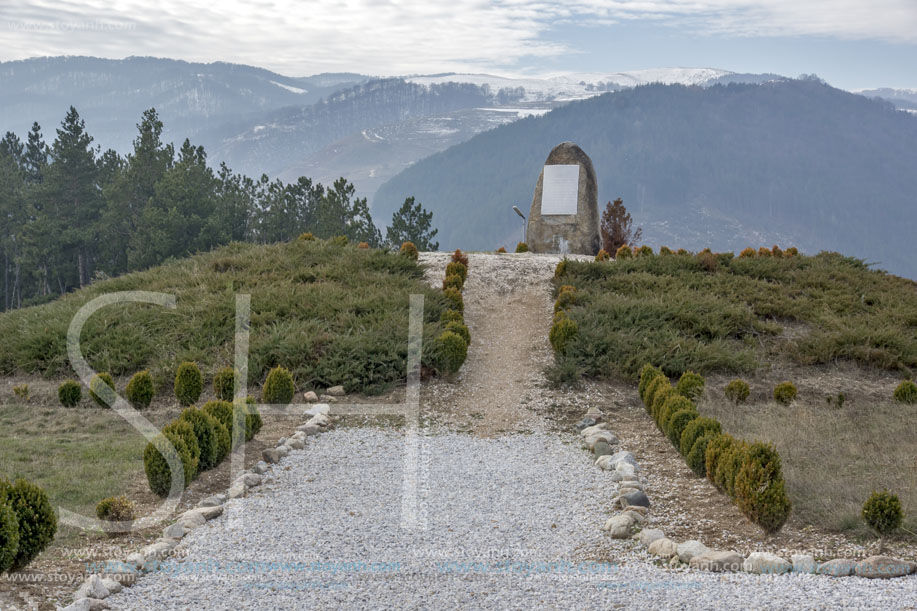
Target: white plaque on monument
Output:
[(560, 189)]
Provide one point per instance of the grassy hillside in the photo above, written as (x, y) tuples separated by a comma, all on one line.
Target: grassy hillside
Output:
[(725, 167), (331, 314)]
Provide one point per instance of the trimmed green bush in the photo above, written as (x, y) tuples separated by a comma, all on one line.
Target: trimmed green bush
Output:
[(139, 389), (697, 455), (9, 534), (737, 391), (457, 268), (882, 512), (654, 386), (602, 256), (97, 389), (453, 281), (760, 490), (451, 316), (224, 384), (690, 385), (157, 469), (716, 450), (306, 237), (678, 423), (453, 351), (457, 327), (696, 429), (906, 392), (728, 466), (456, 302), (189, 383), (339, 240), (665, 251), (409, 250), (644, 251), (186, 432), (70, 393), (221, 410), (671, 404), (647, 374), (205, 433), (35, 516), (785, 393), (522, 247), (560, 269), (624, 252), (562, 331), (278, 387), (459, 257), (566, 297), (253, 421), (116, 509)]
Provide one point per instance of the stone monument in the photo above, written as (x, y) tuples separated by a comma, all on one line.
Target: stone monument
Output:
[(564, 217)]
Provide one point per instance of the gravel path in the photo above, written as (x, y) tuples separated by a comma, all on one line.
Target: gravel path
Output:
[(499, 512)]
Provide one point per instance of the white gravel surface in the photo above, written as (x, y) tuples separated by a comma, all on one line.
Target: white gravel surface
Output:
[(509, 522)]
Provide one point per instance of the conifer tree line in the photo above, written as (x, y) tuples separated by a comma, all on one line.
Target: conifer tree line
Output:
[(71, 212)]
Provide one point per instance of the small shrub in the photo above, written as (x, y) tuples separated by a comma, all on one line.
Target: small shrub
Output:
[(453, 281), (9, 534), (718, 446), (522, 247), (785, 393), (668, 404), (189, 383), (837, 400), (655, 384), (222, 437), (34, 515), (222, 411), (363, 245), (624, 252), (728, 466), (158, 473), (564, 372), (501, 250), (205, 433), (455, 299), (306, 237), (224, 384), (278, 387), (648, 373), (562, 331), (906, 392), (453, 351), (696, 429), (760, 490), (101, 395), (186, 432), (409, 250), (459, 328), (21, 391), (737, 391), (602, 255), (459, 257), (565, 298), (697, 455), (644, 251), (139, 389), (116, 509), (882, 512), (682, 251), (764, 252), (690, 385), (792, 251), (776, 252), (70, 393), (451, 316), (707, 261), (339, 240), (560, 270), (665, 251), (747, 253), (458, 268), (678, 423), (253, 421), (657, 407)]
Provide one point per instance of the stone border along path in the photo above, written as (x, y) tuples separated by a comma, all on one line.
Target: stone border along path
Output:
[(509, 519)]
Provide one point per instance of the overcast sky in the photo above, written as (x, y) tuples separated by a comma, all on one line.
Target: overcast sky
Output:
[(850, 43)]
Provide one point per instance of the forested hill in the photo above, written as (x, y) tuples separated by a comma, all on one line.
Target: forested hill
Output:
[(793, 162)]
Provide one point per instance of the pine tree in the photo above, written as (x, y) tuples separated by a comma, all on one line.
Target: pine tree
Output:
[(412, 223), (12, 146), (617, 227), (35, 158), (13, 217)]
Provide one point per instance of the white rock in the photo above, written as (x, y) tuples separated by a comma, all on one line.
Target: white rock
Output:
[(92, 588), (309, 429), (664, 548), (607, 436), (191, 519), (260, 467), (803, 563), (336, 391), (310, 397), (236, 490), (282, 451), (321, 409), (625, 468), (648, 535), (689, 549), (591, 430), (319, 420), (620, 526), (112, 585), (175, 531), (295, 444), (765, 563)]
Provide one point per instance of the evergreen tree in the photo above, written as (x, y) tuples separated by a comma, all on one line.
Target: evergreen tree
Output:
[(12, 146), (412, 223), (338, 215), (13, 217), (35, 158), (617, 228)]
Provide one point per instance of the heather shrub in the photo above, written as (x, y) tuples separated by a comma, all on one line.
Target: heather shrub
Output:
[(458, 268), (690, 385), (785, 393), (737, 391), (70, 393), (707, 261), (697, 455), (455, 299), (792, 251), (501, 250), (665, 251), (453, 351), (306, 237), (21, 391), (185, 431), (678, 423), (776, 252), (747, 253), (522, 247), (644, 251), (34, 515), (602, 255), (696, 429), (648, 373), (759, 488), (906, 392), (453, 281), (460, 329), (205, 434), (624, 252), (139, 389), (338, 240), (102, 389), (158, 473), (459, 257), (9, 534), (224, 384), (409, 250), (671, 404), (363, 245), (562, 331), (682, 251), (116, 509), (764, 252), (189, 383), (278, 387), (882, 512)]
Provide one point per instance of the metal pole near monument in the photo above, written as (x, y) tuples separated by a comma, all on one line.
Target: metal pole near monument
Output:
[(524, 222)]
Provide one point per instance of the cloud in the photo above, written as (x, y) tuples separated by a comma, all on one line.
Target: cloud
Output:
[(408, 36)]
